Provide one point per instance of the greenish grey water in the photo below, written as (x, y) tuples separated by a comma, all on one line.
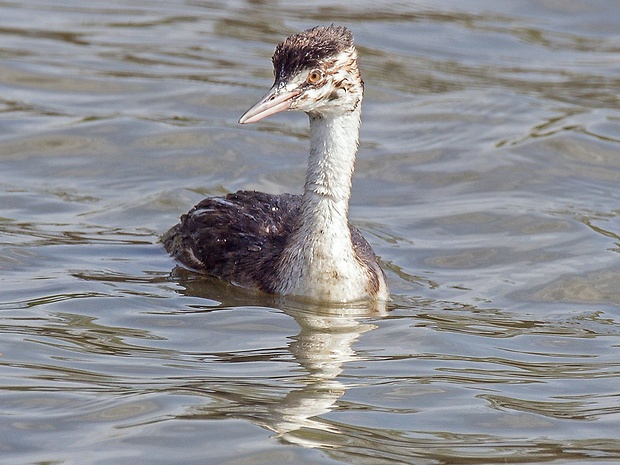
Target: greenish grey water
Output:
[(488, 182)]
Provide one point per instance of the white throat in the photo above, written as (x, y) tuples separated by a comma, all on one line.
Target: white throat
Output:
[(319, 261)]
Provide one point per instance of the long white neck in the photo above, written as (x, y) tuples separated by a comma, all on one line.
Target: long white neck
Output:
[(319, 260), (333, 147)]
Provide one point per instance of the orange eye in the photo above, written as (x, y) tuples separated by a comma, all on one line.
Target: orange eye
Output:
[(314, 76)]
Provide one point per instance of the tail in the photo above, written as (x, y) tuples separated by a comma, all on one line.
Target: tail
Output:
[(176, 245)]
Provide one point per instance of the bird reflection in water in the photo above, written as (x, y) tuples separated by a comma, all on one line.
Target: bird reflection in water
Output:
[(322, 348)]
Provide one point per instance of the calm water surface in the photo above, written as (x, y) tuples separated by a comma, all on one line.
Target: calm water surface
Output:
[(488, 182)]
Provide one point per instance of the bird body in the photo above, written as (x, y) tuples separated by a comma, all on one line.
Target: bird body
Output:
[(287, 244)]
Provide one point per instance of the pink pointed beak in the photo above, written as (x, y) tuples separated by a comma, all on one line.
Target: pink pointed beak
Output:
[(275, 101)]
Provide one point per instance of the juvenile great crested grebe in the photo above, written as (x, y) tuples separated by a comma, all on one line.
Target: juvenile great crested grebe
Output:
[(290, 244)]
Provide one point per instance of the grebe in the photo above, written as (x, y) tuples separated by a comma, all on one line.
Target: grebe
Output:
[(290, 244)]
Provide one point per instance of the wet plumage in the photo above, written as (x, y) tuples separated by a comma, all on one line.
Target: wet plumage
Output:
[(239, 237)]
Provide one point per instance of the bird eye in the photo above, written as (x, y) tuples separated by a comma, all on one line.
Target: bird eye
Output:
[(315, 76)]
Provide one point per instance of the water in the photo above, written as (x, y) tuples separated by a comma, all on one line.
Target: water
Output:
[(488, 183)]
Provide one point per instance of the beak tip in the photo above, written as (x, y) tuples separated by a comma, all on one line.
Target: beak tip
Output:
[(246, 119)]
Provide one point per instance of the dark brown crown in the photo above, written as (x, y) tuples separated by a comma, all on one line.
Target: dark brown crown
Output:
[(309, 48)]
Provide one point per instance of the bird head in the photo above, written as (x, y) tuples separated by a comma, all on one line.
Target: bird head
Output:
[(315, 72)]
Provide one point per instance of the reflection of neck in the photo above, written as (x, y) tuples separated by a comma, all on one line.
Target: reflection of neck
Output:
[(322, 354), (322, 347), (326, 340), (319, 260)]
